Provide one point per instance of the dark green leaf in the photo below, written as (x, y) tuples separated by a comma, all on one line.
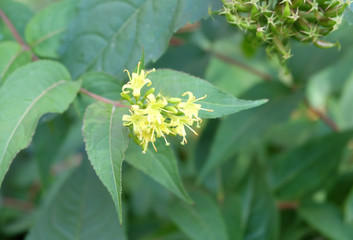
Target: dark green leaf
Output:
[(250, 126), (161, 166), (81, 209), (259, 211), (173, 84), (122, 29), (305, 169), (201, 221), (326, 219), (106, 142), (30, 92)]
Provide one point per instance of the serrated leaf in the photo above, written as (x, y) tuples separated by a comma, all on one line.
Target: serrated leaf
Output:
[(81, 209), (201, 221), (173, 84), (161, 166), (243, 129), (30, 92), (45, 30), (305, 169), (106, 142), (122, 29), (326, 219), (12, 57)]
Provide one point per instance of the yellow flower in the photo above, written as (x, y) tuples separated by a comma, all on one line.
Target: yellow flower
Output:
[(146, 136), (137, 119), (190, 108), (178, 124), (154, 108), (137, 81)]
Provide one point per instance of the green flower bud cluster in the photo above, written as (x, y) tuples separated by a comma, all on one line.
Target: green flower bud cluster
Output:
[(274, 22)]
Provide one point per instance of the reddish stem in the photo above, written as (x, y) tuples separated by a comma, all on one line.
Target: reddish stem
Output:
[(101, 99), (16, 35)]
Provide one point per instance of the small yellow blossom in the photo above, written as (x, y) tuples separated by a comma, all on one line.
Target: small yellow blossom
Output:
[(154, 108), (137, 81), (179, 123), (155, 116)]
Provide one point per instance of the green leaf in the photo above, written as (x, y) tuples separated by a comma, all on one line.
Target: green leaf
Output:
[(240, 130), (348, 208), (305, 169), (161, 166), (81, 209), (12, 57), (326, 219), (259, 211), (201, 221), (330, 81), (18, 13), (122, 29), (232, 213), (52, 143), (106, 142), (30, 92), (173, 84), (346, 105), (309, 59), (45, 30), (101, 84)]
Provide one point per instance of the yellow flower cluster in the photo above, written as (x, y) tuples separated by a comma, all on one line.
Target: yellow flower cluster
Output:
[(154, 116)]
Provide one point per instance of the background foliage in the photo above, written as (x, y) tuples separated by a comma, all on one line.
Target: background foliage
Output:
[(281, 170)]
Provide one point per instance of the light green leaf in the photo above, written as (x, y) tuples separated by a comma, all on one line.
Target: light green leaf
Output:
[(240, 130), (305, 169), (201, 221), (45, 31), (326, 219), (12, 57), (173, 84), (30, 92), (122, 29), (161, 166), (106, 142), (80, 209)]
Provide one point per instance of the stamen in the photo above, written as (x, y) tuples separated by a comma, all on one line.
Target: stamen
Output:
[(191, 129)]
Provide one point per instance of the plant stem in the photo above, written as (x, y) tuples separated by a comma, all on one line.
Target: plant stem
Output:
[(102, 99), (326, 119), (244, 66), (17, 204), (287, 205), (16, 35)]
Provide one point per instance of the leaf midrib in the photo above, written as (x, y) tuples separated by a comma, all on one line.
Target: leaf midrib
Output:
[(24, 115), (116, 34), (111, 155)]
